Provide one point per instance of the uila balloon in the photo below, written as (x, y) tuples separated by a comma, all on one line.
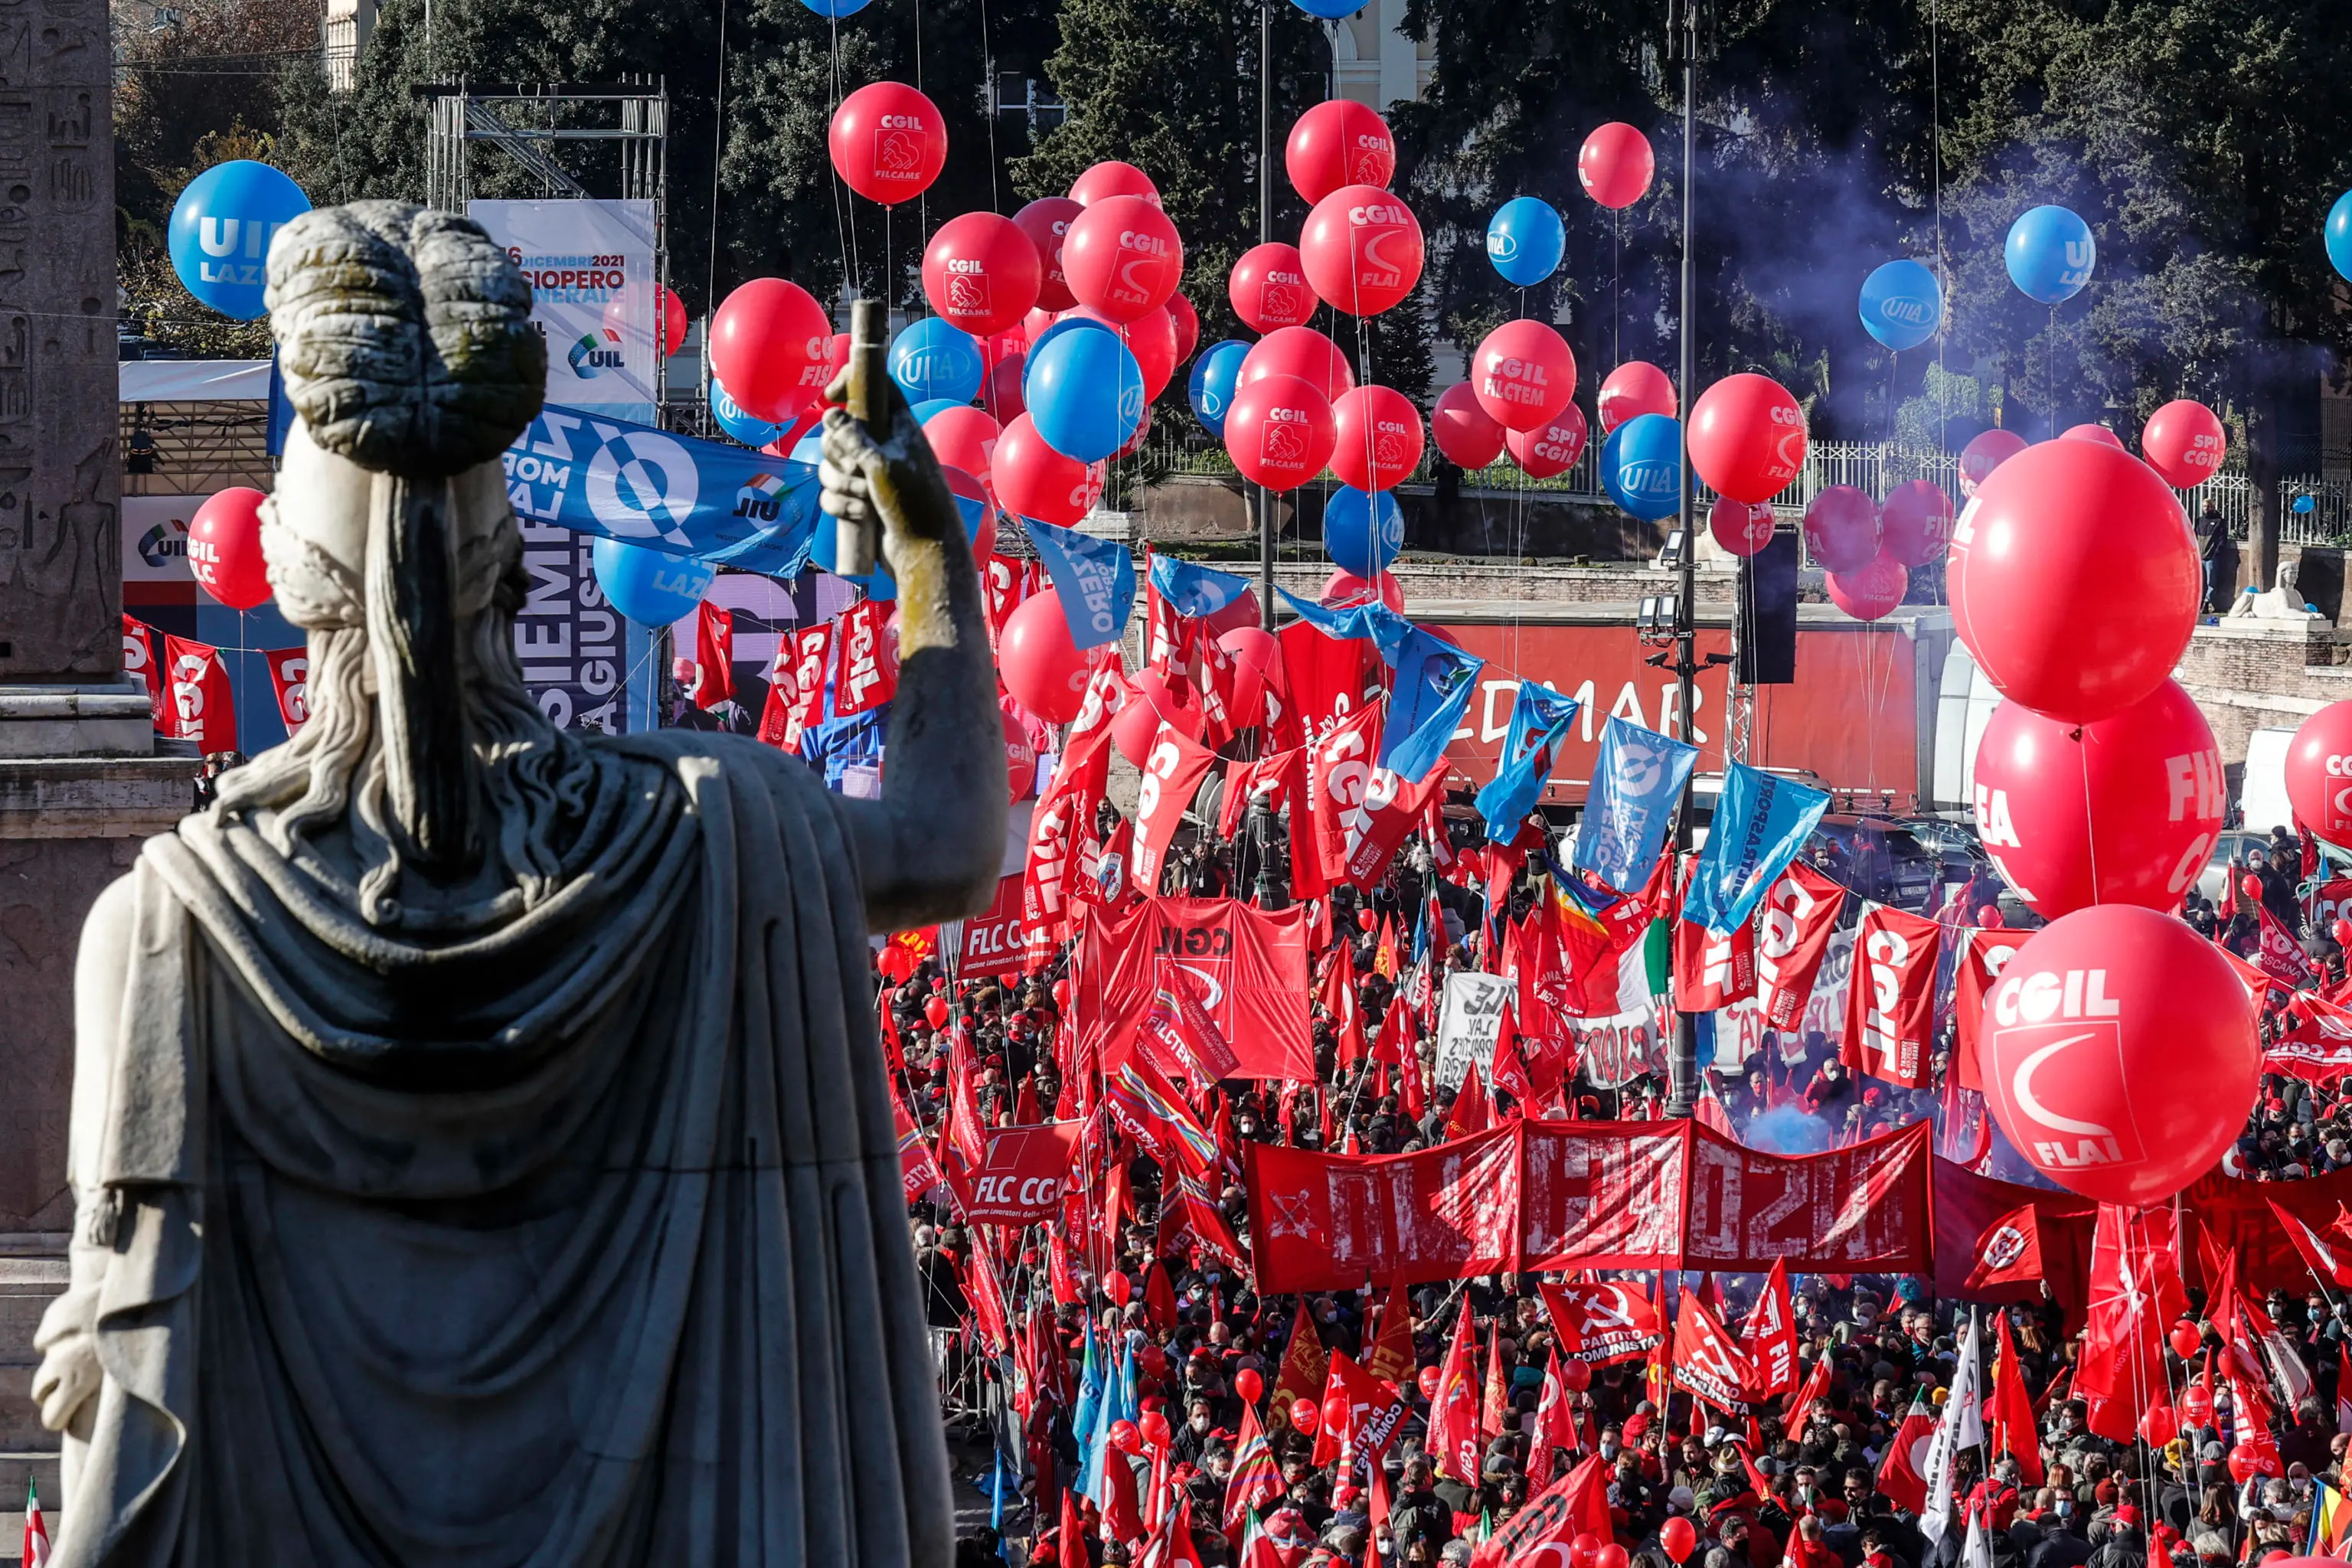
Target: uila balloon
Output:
[(1525, 239)]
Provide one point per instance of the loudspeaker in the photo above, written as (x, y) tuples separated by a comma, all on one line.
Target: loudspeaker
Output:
[(1767, 607)]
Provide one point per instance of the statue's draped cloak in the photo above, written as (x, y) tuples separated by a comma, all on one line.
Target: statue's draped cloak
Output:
[(629, 1282)]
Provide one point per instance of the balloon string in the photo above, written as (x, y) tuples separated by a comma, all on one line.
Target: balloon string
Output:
[(2090, 833), (988, 104), (844, 231)]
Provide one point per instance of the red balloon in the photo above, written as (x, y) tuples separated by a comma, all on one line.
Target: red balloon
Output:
[(1577, 1375), (1188, 324), (1152, 338), (1134, 442), (1615, 164), (1061, 999), (2185, 441), (1047, 222), (936, 1011), (1119, 1288), (1362, 248), (965, 437), (2246, 1462), (1636, 387), (836, 360), (2118, 1051), (1366, 920), (2319, 772), (982, 272), (1000, 393), (2251, 885), (1153, 703), (1551, 451), (1748, 436), (1301, 352), (1339, 142), (771, 348), (2074, 582), (1678, 1538), (1268, 288), (1523, 375), (2186, 1337), (1842, 529), (889, 144), (1239, 615), (1122, 257), (1915, 522), (1112, 178), (1343, 589), (1581, 1548), (2138, 795), (1125, 1437), (1610, 1555), (1872, 591), (1035, 480), (1428, 1380), (1739, 527), (1986, 452), (1154, 1426), (1279, 431), (1020, 760), (2342, 931), (2099, 432), (1257, 657), (1303, 1416), (1040, 666), (674, 321), (1377, 437), (1463, 430), (224, 548), (1247, 1382)]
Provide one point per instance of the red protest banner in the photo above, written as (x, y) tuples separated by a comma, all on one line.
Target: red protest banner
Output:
[(1793, 926), (714, 656), (198, 704), (290, 677), (1172, 770), (1447, 1213), (1248, 968), (992, 939), (139, 659), (1705, 1363), (1021, 1180), (1890, 1004), (868, 676), (1864, 1209), (805, 699)]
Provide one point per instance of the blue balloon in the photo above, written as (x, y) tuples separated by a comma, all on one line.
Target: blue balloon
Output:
[(1210, 388), (1524, 241), (736, 422), (1329, 10), (1085, 393), (836, 9), (2306, 505), (824, 551), (1362, 534), (650, 587), (221, 228), (2339, 234), (1642, 466), (934, 358), (1902, 304), (2050, 253)]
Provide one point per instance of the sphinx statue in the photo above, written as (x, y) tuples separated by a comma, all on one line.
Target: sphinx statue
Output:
[(480, 1147)]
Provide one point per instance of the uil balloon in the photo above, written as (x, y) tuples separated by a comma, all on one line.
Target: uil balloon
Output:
[(220, 231), (1842, 529), (1747, 437), (1615, 165), (1362, 534), (1339, 142), (1085, 393), (2339, 235), (224, 548), (1363, 249), (736, 423), (1035, 480), (2118, 1053), (2319, 773), (1636, 387), (1523, 375), (1985, 453), (1463, 430), (772, 343), (1304, 352), (889, 142), (1553, 450), (1525, 239), (1122, 257), (1902, 304), (1210, 388), (2184, 441), (2050, 253), (935, 358), (650, 587), (1641, 467), (2074, 580), (1740, 528), (1279, 432), (1047, 222), (1376, 438), (1872, 592), (982, 272), (2124, 810), (1268, 288)]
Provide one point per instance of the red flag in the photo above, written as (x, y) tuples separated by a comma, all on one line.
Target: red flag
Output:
[(1004, 586), (2136, 1294), (1172, 770), (803, 684), (1816, 1386), (1063, 819), (1358, 1418), (1392, 1359), (2322, 1259), (1454, 1445), (1983, 955), (1890, 1002), (1327, 679), (1470, 1112), (1361, 810), (290, 678), (1603, 1322), (1903, 1473), (139, 659), (714, 656), (1149, 1110), (199, 705), (917, 1172), (1705, 1363), (1256, 1480), (1498, 1390), (1304, 1362), (1575, 1504), (2009, 1409), (967, 1130), (985, 1291), (1712, 972), (1179, 1034), (1019, 1181), (1793, 926), (2342, 1387), (1555, 1428), (1769, 1340), (2280, 956), (869, 677), (1507, 1068), (2314, 1042), (1070, 1539)]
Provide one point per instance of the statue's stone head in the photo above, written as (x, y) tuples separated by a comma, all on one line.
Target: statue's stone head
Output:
[(405, 341)]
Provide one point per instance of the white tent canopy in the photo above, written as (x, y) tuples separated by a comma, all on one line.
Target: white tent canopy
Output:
[(196, 381)]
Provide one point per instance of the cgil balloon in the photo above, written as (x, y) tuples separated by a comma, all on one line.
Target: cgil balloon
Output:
[(1339, 142), (772, 345), (1615, 165), (1902, 304), (1377, 439), (1553, 450), (1842, 529), (1041, 668), (1523, 375), (1747, 437), (1268, 288), (1214, 377), (2184, 441), (2050, 253), (1636, 387), (1112, 178), (1279, 432), (1047, 222), (220, 231), (889, 142), (965, 437), (1871, 593), (1915, 522), (224, 548), (2319, 773), (1363, 249), (1740, 528), (982, 272), (1122, 257), (1985, 453), (1035, 480), (1304, 352), (1525, 239)]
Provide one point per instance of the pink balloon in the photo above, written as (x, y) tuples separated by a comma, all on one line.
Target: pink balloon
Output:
[(1047, 222), (2185, 441), (1986, 452), (1301, 352), (1188, 324), (1870, 592), (1739, 527), (224, 548), (2137, 796), (1040, 666), (1915, 522), (1035, 480), (965, 437), (1363, 249), (1632, 388), (1523, 375), (1615, 164), (982, 272), (2099, 432), (2319, 771), (1000, 393), (1378, 437), (1842, 529), (1463, 430), (1541, 454), (1113, 178)]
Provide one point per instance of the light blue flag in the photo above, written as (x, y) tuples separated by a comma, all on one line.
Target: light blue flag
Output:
[(1119, 1405), (706, 499), (1095, 579), (1540, 718), (1636, 780), (1090, 1387), (1760, 825), (1434, 683), (1192, 589), (1384, 626)]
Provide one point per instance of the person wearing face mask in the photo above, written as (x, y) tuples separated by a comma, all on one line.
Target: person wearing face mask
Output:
[(1190, 1440)]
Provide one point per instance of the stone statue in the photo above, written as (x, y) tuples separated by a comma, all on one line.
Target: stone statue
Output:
[(479, 1140), (2283, 603)]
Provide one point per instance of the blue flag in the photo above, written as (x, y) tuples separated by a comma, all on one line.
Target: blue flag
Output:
[(1119, 1405), (1636, 781), (1090, 1387), (706, 499), (1384, 626), (1095, 579), (1434, 683), (1760, 825), (1540, 718), (1190, 590)]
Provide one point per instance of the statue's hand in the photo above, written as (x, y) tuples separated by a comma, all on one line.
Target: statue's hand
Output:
[(68, 1375), (893, 481)]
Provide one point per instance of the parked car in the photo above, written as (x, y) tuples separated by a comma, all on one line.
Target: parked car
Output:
[(1887, 862), (2229, 854)]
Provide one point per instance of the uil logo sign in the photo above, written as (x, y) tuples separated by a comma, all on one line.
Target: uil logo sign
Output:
[(594, 352), (758, 502), (641, 484)]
